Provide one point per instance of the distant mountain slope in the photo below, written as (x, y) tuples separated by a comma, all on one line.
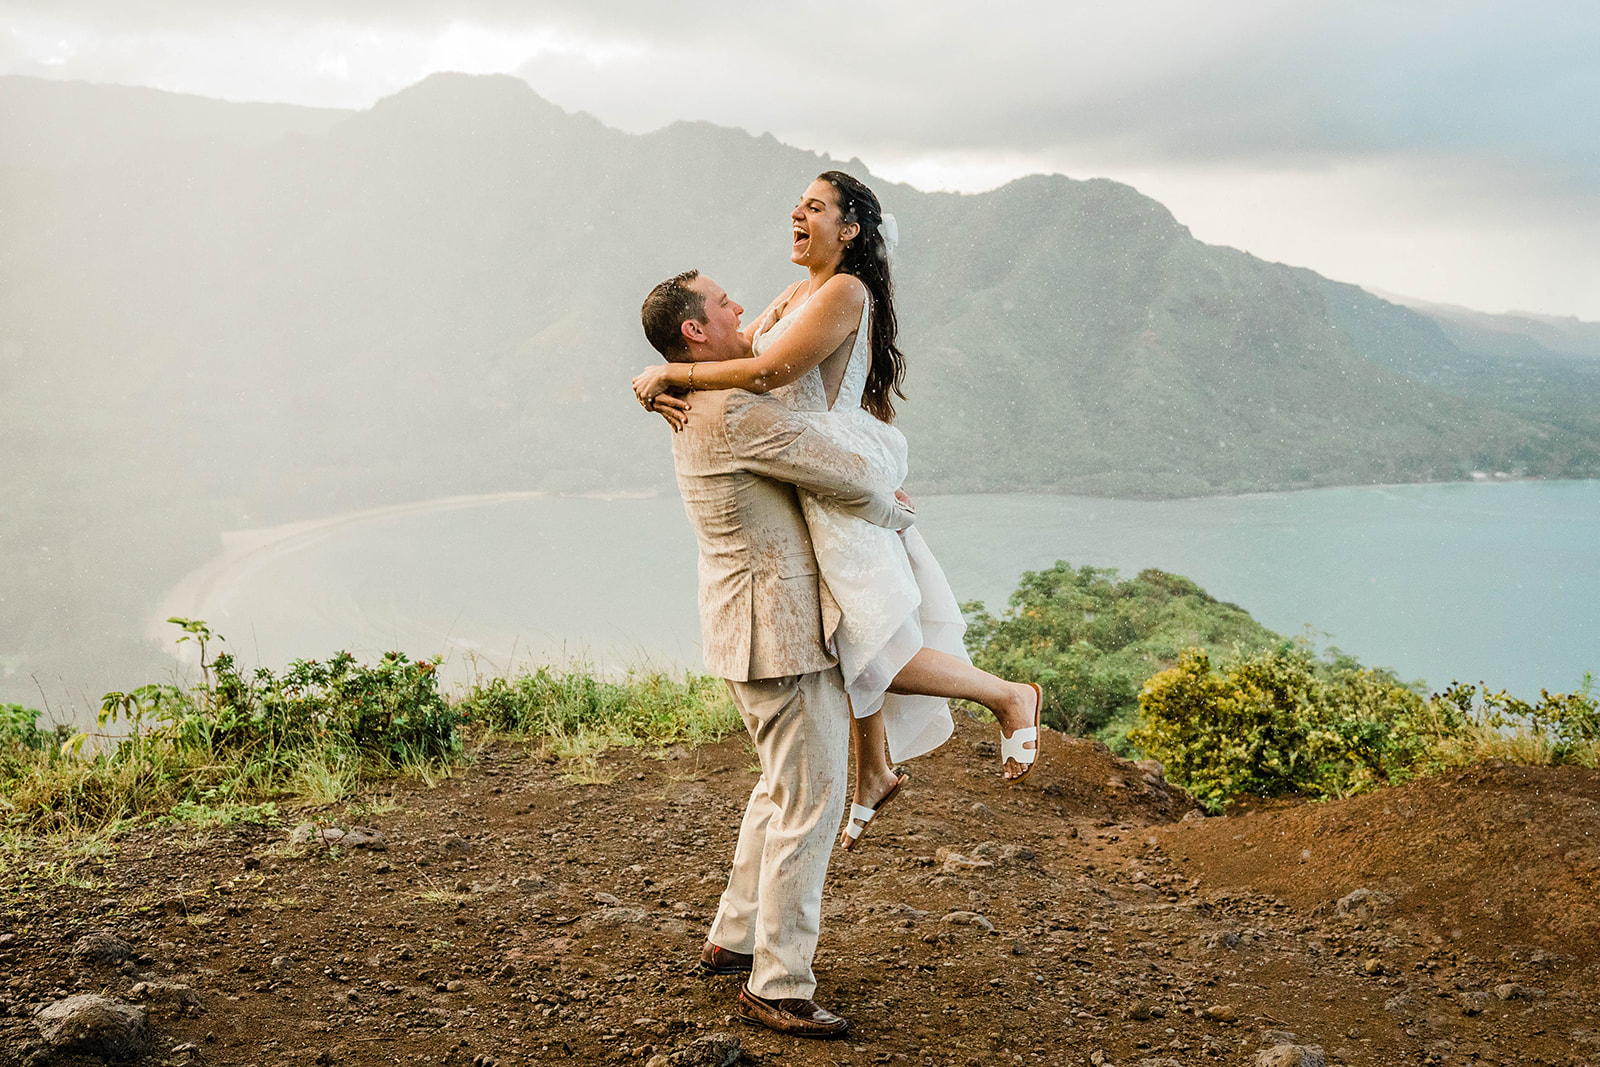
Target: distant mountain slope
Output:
[(219, 315), (50, 123), (1499, 359), (1094, 345), (1511, 335)]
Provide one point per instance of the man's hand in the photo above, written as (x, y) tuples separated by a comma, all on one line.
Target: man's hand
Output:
[(900, 495), (675, 409)]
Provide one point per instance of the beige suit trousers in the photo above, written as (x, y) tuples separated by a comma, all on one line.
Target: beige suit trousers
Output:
[(772, 907)]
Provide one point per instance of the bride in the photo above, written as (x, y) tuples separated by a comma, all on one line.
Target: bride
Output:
[(826, 347)]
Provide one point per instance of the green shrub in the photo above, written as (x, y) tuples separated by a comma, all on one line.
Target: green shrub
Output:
[(19, 728), (25, 749), (1281, 721), (390, 712), (1090, 640), (1130, 661), (227, 741)]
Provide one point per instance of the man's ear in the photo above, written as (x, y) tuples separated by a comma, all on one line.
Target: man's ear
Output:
[(693, 330)]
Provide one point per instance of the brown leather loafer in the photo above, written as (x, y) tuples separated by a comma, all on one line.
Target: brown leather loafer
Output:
[(800, 1018), (714, 959)]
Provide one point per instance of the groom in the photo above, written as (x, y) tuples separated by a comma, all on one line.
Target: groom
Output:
[(739, 458)]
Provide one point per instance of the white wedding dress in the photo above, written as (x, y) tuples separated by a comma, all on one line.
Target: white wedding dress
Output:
[(892, 595)]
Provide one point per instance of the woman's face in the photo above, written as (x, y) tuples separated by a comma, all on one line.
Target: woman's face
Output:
[(820, 232)]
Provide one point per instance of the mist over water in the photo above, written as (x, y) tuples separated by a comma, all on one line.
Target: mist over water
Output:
[(1499, 583)]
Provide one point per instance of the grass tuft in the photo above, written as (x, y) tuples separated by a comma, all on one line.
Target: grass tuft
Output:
[(577, 713), (321, 781)]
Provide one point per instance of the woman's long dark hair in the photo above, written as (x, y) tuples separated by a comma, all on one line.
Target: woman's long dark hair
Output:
[(867, 258)]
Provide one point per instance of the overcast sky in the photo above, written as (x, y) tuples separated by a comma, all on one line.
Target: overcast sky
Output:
[(1445, 150)]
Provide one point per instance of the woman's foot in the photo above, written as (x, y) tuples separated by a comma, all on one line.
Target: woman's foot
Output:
[(870, 797), (1021, 711)]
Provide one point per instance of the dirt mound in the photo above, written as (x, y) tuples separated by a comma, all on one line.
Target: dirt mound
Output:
[(512, 916), (1501, 857)]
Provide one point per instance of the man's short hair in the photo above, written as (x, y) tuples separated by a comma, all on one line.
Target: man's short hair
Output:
[(666, 309)]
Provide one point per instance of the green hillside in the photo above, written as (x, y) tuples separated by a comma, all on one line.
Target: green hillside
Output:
[(1544, 370), (1094, 346)]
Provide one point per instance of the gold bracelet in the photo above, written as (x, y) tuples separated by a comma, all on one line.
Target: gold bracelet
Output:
[(691, 377)]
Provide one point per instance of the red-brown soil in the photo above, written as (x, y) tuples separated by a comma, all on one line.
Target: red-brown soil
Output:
[(523, 918), (1495, 855)]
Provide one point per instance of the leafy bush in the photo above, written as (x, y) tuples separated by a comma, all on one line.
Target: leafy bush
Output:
[(314, 729), (1281, 721), (1091, 640), (19, 728), (1568, 718), (390, 712), (23, 745)]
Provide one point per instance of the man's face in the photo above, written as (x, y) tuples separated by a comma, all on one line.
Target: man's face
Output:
[(717, 338)]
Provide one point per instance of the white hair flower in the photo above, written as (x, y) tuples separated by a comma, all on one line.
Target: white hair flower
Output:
[(889, 230)]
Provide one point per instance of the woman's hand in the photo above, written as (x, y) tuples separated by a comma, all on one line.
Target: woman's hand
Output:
[(651, 382), (675, 409), (766, 318)]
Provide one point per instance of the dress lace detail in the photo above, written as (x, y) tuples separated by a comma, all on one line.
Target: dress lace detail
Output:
[(807, 393), (892, 595)]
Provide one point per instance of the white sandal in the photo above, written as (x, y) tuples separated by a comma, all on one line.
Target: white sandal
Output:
[(860, 815), (1011, 747)]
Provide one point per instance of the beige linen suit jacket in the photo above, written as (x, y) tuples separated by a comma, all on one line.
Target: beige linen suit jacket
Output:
[(764, 613)]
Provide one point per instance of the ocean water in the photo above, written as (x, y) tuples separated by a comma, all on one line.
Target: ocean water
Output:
[(1496, 582)]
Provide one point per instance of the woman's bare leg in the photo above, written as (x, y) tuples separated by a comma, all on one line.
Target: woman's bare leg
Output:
[(936, 674), (939, 674), (875, 776)]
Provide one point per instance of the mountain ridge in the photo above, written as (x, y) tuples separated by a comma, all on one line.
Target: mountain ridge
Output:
[(1557, 335)]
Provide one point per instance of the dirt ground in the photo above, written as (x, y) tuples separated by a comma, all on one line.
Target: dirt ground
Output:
[(516, 917)]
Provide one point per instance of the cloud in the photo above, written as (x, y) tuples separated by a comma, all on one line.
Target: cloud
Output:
[(1473, 115), (1301, 79)]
